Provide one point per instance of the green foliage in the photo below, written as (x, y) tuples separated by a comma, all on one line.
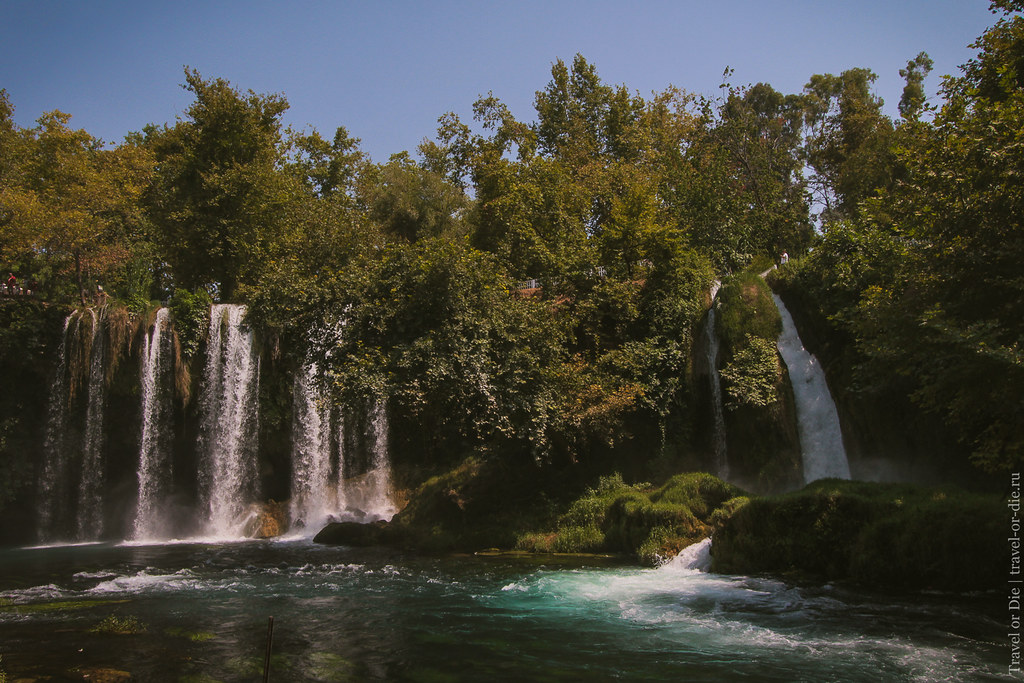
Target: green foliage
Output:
[(751, 377), (194, 636), (411, 202), (402, 279), (746, 308), (191, 314), (221, 205), (749, 324), (882, 535), (648, 524), (923, 280)]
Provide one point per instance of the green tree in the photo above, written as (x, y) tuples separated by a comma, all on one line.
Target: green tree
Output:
[(220, 200), (925, 278), (73, 207), (848, 140), (913, 100), (412, 202)]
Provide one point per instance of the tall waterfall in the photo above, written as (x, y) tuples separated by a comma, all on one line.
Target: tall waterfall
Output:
[(229, 413), (53, 485), (821, 440), (90, 481), (155, 463), (718, 412), (313, 497)]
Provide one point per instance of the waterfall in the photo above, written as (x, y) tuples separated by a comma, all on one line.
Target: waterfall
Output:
[(154, 473), (373, 493), (718, 412), (821, 440), (229, 413), (90, 482), (367, 490), (53, 483), (312, 502)]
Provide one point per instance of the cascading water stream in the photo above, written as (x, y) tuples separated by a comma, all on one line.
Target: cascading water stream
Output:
[(718, 412), (90, 482), (821, 439), (370, 492), (53, 484), (312, 502), (229, 413), (154, 473)]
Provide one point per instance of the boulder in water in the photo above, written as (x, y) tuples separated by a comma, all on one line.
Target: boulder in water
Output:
[(271, 520), (355, 534)]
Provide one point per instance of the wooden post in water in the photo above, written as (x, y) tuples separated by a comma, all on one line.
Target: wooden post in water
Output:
[(270, 643)]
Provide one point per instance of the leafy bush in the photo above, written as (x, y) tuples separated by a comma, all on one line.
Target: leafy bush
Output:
[(191, 312), (650, 524), (752, 374)]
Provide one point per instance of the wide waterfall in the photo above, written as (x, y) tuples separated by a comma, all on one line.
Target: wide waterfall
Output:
[(718, 412), (821, 439), (155, 464), (340, 458), (337, 473), (229, 420)]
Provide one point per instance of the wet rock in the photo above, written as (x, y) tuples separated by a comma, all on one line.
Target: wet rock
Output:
[(271, 520)]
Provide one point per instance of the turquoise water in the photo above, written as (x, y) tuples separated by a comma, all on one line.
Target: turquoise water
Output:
[(199, 613)]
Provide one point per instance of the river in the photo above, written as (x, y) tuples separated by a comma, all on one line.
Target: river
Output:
[(199, 612)]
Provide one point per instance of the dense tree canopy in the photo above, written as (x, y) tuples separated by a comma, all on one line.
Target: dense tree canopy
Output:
[(534, 286)]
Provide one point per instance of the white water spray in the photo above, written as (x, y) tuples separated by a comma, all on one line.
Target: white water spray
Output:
[(154, 457), (693, 559), (229, 413), (821, 439)]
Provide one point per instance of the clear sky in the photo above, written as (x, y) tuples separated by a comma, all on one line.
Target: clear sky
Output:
[(386, 70)]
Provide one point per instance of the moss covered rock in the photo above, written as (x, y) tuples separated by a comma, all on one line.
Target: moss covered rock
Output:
[(649, 523), (882, 535)]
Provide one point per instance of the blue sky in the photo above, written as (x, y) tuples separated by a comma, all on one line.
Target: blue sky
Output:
[(387, 70)]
